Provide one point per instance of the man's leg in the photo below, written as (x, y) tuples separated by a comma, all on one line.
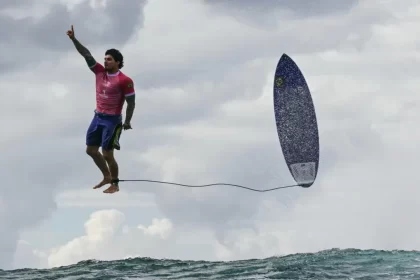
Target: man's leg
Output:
[(93, 152), (93, 142), (109, 144), (113, 168)]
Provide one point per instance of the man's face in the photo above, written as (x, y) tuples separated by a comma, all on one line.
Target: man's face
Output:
[(110, 63)]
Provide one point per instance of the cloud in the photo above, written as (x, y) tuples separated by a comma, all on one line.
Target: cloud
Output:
[(88, 198), (37, 105), (108, 237), (28, 257), (33, 35), (283, 16), (298, 8), (204, 115)]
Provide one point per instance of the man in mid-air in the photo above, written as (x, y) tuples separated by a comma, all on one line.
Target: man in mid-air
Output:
[(112, 88)]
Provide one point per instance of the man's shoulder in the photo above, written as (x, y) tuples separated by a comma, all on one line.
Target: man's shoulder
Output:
[(127, 84), (125, 79), (97, 68)]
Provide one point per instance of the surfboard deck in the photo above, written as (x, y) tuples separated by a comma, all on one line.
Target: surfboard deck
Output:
[(296, 121)]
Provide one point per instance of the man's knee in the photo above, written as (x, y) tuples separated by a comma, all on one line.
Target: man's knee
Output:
[(92, 151), (108, 155)]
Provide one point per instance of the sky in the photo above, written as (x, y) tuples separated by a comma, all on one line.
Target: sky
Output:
[(203, 73)]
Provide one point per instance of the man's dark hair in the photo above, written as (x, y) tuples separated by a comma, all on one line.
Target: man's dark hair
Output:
[(117, 56)]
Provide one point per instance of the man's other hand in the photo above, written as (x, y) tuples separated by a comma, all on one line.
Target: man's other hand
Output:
[(127, 126)]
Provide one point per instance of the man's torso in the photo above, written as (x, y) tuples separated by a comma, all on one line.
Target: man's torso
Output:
[(111, 90)]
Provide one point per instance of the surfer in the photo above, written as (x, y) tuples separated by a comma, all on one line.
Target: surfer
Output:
[(112, 88)]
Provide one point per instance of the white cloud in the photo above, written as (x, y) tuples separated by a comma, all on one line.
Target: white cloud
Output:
[(108, 237), (100, 230), (158, 227)]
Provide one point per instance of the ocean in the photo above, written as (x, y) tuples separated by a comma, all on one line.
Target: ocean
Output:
[(329, 264)]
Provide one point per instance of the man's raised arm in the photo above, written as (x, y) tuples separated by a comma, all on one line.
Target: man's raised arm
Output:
[(84, 52), (81, 49)]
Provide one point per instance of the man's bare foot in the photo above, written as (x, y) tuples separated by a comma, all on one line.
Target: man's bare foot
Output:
[(105, 181), (112, 189)]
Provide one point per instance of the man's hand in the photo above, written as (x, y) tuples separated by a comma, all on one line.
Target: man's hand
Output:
[(70, 33), (127, 126)]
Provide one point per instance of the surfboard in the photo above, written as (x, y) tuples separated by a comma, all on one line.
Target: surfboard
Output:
[(296, 121)]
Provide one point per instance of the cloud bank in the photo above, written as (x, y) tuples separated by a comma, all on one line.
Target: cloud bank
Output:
[(204, 93)]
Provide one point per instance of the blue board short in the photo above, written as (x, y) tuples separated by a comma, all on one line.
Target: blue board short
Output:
[(104, 131)]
